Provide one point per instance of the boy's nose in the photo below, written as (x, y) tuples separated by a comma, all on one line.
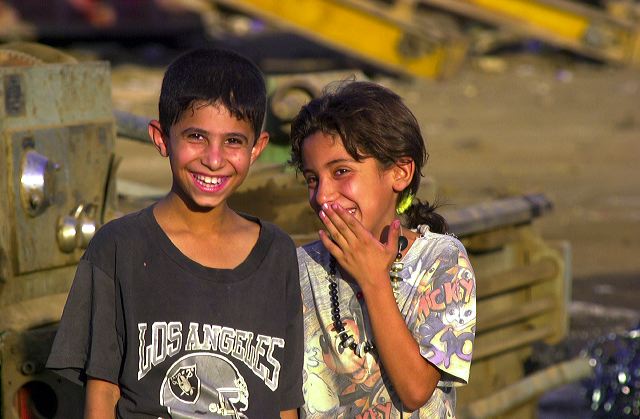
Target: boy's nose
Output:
[(213, 157)]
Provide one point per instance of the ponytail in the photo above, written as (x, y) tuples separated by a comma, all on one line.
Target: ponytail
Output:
[(424, 213)]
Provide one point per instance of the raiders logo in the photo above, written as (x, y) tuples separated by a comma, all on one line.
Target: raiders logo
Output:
[(185, 384)]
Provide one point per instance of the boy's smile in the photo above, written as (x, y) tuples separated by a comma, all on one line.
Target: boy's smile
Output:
[(210, 152), (362, 187)]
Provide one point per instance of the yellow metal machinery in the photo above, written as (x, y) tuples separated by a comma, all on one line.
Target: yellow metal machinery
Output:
[(567, 24), (419, 37), (389, 34)]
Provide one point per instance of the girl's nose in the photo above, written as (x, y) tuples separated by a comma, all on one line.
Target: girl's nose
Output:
[(213, 157), (325, 193)]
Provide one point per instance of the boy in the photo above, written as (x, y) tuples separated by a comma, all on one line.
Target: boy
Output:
[(187, 308)]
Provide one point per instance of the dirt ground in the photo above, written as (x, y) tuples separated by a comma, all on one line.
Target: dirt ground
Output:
[(508, 126)]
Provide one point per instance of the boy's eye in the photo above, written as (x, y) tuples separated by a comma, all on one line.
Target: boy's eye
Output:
[(194, 136), (235, 141)]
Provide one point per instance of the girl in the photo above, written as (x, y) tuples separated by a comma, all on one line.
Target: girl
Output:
[(389, 307)]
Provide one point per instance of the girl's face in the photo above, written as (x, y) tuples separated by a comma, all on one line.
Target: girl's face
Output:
[(363, 188)]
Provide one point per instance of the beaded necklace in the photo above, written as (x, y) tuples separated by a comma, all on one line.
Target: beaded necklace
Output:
[(347, 339)]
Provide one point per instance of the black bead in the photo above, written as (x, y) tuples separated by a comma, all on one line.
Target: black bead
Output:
[(344, 337), (333, 285), (335, 310), (402, 243), (353, 346), (334, 298), (398, 257)]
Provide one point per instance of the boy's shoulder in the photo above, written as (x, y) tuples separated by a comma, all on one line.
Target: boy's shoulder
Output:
[(126, 225), (125, 229), (279, 236)]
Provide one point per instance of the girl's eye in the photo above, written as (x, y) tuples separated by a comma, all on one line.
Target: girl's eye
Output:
[(341, 171), (311, 181)]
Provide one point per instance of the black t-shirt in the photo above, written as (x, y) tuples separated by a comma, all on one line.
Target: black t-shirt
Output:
[(179, 338)]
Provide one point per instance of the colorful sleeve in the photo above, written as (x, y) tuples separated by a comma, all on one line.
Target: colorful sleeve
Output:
[(445, 319)]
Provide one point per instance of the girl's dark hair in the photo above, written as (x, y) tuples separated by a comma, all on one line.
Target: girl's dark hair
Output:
[(213, 76), (371, 121)]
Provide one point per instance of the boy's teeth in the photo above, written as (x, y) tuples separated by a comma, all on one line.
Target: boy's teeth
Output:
[(209, 180)]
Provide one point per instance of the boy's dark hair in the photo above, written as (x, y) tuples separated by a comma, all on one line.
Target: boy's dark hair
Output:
[(212, 76), (371, 121)]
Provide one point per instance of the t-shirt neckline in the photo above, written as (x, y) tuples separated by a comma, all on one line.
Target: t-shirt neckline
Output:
[(248, 266)]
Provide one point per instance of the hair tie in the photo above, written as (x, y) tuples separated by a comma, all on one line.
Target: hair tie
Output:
[(404, 204)]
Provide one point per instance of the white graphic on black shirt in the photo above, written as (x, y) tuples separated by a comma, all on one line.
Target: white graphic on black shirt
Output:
[(204, 385), (161, 341), (185, 384)]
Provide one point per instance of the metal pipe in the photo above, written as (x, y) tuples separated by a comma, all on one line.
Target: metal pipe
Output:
[(132, 127), (495, 214), (534, 385)]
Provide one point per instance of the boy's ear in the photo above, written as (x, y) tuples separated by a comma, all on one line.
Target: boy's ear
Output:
[(402, 173), (259, 145), (155, 133)]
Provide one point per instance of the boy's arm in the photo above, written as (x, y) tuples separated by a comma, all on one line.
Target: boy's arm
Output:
[(289, 414), (101, 399)]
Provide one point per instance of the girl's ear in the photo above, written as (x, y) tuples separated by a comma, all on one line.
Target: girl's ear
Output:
[(403, 172), (155, 133)]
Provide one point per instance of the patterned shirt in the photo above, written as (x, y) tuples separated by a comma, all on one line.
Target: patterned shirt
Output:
[(437, 300)]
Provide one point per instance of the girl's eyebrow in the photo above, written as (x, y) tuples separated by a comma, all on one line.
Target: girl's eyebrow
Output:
[(334, 161), (331, 163)]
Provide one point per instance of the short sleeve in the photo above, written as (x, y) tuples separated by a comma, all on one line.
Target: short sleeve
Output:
[(291, 396), (87, 342), (446, 311)]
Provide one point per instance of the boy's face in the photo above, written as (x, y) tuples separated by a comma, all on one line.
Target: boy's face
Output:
[(210, 152)]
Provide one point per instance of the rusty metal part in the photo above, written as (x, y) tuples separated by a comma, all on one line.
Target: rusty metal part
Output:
[(28, 389), (42, 53), (9, 57)]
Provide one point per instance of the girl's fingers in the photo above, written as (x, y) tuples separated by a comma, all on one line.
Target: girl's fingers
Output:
[(349, 220), (334, 233), (340, 233), (393, 237), (343, 221)]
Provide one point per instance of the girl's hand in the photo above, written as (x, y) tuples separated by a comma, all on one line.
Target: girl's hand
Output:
[(357, 251)]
